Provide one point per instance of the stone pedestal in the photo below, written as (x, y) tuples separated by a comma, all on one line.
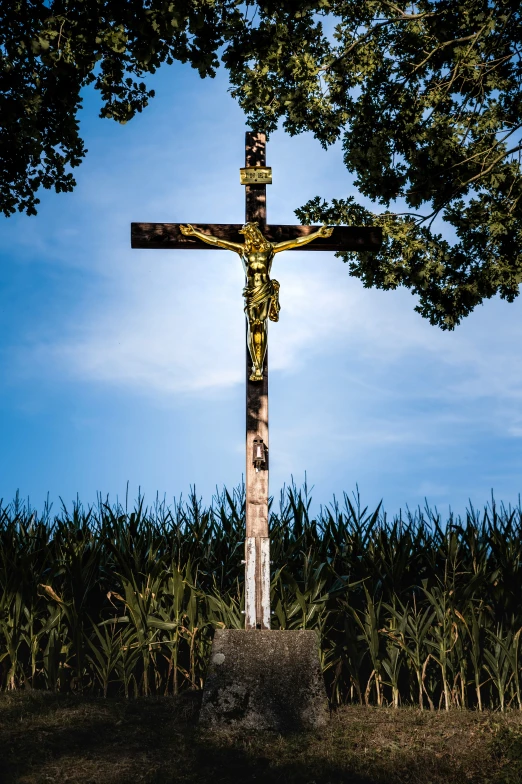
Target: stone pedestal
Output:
[(264, 680)]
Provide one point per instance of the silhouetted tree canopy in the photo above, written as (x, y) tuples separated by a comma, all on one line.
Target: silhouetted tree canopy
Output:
[(425, 98), (50, 50)]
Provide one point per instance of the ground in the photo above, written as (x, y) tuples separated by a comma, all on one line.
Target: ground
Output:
[(47, 738)]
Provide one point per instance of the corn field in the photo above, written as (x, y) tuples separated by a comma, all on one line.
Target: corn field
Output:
[(414, 611)]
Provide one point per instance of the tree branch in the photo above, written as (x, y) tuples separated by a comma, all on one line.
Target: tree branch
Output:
[(404, 18)]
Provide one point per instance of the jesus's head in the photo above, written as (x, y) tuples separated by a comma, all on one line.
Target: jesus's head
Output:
[(253, 237)]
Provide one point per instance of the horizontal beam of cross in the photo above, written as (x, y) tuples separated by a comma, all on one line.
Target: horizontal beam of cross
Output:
[(169, 236)]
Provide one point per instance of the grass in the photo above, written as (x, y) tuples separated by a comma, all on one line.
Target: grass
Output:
[(48, 737)]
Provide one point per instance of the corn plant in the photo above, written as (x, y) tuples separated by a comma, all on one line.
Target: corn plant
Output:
[(502, 661), (106, 651), (473, 624), (110, 600), (410, 635)]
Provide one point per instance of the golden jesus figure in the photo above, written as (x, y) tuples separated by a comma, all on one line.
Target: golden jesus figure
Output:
[(261, 293)]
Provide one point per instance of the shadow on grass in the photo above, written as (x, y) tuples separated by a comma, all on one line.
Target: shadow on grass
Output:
[(228, 765), (48, 738)]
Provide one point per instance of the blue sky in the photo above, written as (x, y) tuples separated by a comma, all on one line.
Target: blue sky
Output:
[(122, 365)]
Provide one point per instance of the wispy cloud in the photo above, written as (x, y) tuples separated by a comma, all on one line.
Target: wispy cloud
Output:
[(173, 322)]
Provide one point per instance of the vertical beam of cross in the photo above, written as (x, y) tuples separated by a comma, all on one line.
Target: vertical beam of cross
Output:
[(344, 238), (257, 544)]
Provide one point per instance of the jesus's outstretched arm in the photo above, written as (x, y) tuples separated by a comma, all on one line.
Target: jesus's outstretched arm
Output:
[(189, 230), (324, 231)]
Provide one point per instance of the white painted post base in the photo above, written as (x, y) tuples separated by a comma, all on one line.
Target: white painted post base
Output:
[(257, 573)]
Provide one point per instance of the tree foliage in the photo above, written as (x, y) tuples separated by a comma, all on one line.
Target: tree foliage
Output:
[(425, 98), (49, 51)]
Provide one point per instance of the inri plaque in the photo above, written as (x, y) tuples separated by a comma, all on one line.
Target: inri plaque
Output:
[(256, 175)]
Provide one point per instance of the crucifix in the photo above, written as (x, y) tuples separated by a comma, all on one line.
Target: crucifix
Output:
[(256, 242)]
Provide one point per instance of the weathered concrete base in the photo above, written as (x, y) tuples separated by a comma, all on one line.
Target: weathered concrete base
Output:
[(264, 680)]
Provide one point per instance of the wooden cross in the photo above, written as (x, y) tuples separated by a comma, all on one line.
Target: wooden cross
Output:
[(346, 238)]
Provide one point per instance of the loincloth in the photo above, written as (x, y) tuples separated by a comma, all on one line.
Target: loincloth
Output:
[(255, 296)]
